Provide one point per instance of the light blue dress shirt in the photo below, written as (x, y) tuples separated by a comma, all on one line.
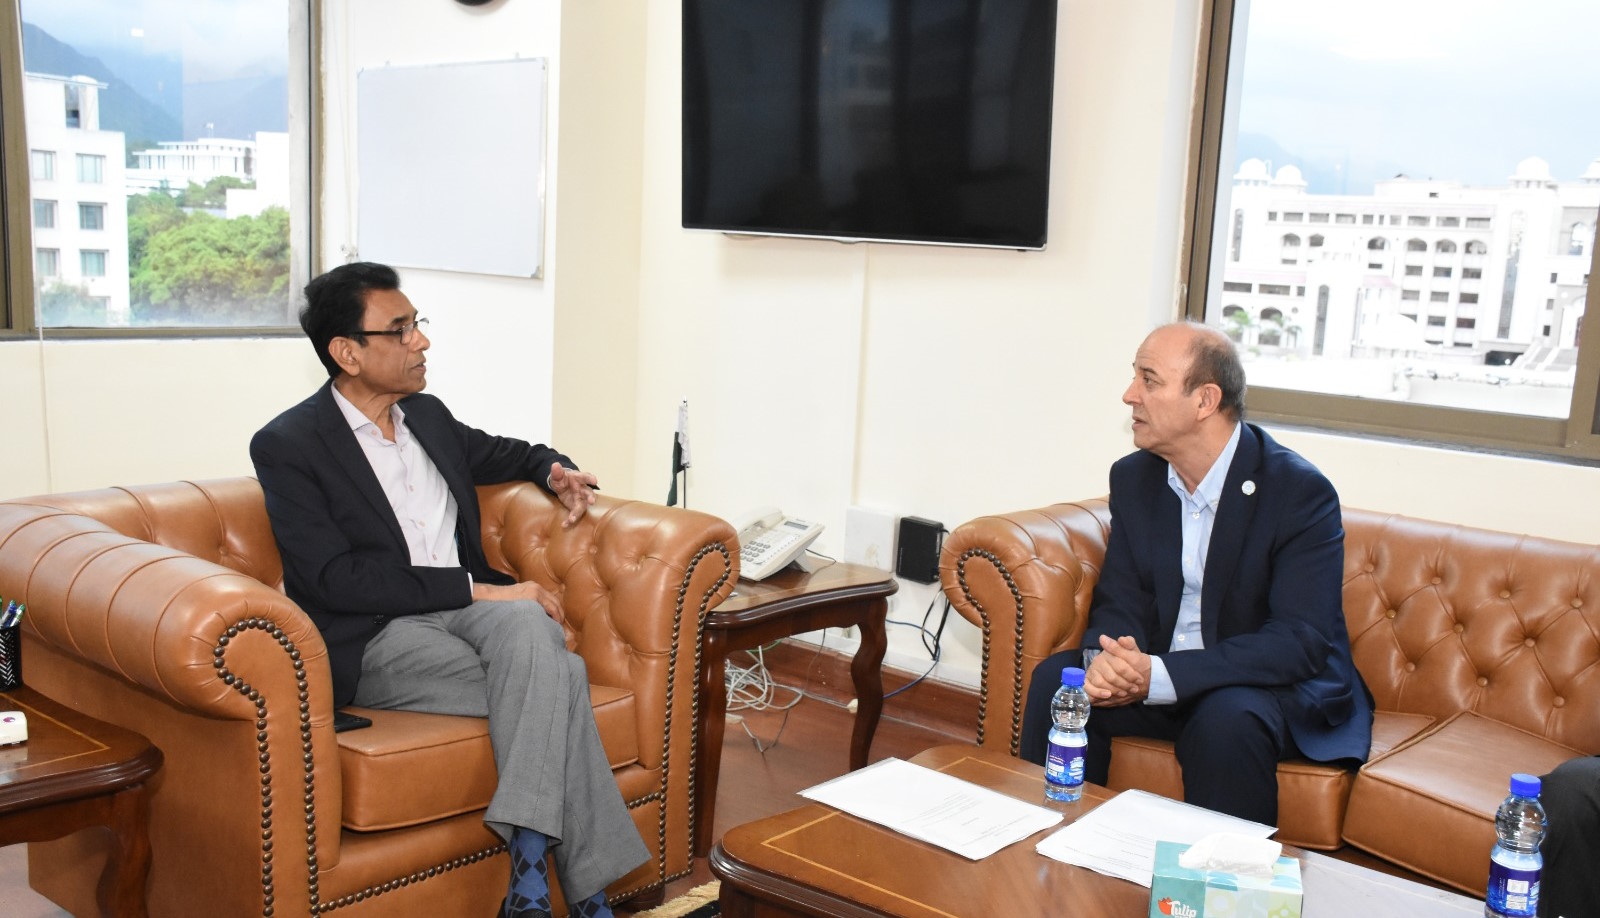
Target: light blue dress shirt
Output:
[(1199, 516)]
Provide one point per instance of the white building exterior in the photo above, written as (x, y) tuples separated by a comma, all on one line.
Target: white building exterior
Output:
[(271, 177), (80, 213), (1418, 275), (173, 164)]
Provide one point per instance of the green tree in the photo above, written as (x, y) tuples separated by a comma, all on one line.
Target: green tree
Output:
[(211, 271), (212, 194), (149, 214)]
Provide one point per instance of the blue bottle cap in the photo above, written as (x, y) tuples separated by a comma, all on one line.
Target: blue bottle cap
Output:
[(1524, 785), (1071, 675)]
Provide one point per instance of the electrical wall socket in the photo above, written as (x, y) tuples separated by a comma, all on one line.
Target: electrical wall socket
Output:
[(869, 537)]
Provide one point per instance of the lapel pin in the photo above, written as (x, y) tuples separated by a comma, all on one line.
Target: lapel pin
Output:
[(1249, 488)]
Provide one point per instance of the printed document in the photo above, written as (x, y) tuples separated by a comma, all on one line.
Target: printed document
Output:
[(934, 807), (1118, 838)]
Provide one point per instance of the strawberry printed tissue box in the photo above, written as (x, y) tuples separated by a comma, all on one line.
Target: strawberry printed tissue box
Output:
[(1182, 892)]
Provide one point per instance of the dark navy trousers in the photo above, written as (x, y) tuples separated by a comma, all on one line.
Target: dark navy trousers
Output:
[(1228, 741)]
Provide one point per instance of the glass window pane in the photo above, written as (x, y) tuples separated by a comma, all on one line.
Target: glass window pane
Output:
[(43, 165), (46, 262), (93, 262), (165, 128), (1486, 203), (91, 168), (44, 214)]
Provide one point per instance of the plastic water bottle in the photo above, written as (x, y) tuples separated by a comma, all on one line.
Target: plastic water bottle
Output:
[(1515, 862), (1063, 764)]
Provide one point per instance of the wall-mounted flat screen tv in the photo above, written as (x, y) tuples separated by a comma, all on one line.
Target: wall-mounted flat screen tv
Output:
[(897, 120)]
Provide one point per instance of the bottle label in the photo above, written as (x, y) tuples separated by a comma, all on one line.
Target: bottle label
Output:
[(1063, 764), (1513, 891)]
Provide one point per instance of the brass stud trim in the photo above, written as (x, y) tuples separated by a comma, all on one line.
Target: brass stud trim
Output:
[(694, 710), (264, 754), (1016, 654)]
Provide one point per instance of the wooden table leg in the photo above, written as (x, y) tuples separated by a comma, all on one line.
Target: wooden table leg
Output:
[(866, 670), (708, 757), (122, 885)]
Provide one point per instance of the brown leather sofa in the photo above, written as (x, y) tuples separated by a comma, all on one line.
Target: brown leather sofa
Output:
[(1481, 649), (160, 608)]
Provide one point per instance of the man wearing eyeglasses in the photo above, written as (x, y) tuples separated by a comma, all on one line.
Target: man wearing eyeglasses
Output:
[(370, 490)]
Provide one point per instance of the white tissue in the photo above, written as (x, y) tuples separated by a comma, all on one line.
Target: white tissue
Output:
[(1227, 852), (13, 727)]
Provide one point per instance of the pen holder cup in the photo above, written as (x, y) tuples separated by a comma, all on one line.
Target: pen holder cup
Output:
[(10, 657)]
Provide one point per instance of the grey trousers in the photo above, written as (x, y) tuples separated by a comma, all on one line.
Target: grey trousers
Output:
[(508, 661)]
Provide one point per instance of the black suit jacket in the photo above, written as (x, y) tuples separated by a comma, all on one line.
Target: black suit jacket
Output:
[(1271, 609), (345, 559)]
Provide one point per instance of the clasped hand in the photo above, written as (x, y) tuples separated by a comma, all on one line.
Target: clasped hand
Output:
[(1119, 674)]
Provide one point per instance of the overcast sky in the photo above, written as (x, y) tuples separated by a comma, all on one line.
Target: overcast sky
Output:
[(1448, 89), (216, 38)]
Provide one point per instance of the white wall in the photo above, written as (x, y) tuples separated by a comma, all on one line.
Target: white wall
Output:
[(948, 383), (492, 336), (86, 414), (935, 382)]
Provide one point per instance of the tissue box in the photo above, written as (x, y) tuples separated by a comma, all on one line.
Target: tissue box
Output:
[(1178, 892)]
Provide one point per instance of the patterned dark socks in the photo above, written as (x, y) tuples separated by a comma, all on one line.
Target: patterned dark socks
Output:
[(529, 896), (593, 907)]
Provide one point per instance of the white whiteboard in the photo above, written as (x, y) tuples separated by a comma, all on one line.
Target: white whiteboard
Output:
[(450, 166)]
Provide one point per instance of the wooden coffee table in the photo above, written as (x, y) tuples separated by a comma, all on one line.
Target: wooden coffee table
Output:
[(75, 772), (817, 861), (788, 603)]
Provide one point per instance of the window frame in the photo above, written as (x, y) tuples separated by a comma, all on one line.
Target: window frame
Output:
[(18, 309), (1573, 439)]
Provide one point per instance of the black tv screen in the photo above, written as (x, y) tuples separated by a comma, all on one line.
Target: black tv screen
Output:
[(899, 120)]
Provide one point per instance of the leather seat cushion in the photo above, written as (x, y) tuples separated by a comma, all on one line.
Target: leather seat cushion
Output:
[(1311, 796), (409, 768), (1426, 801)]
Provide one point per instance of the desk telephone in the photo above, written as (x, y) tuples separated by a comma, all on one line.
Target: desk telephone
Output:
[(769, 540)]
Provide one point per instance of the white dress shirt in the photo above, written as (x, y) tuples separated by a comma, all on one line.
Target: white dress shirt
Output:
[(1199, 511), (422, 502)]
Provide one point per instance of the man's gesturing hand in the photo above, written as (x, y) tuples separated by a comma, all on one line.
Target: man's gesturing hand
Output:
[(527, 589), (574, 489), (1119, 674)]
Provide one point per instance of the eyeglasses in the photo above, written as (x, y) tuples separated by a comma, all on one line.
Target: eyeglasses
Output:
[(405, 332)]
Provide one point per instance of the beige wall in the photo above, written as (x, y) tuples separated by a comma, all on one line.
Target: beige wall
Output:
[(90, 414)]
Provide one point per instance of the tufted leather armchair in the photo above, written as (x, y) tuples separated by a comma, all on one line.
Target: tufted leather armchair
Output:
[(1481, 649), (160, 608)]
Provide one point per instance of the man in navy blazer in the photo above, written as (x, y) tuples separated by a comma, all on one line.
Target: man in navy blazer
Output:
[(369, 485), (1217, 621)]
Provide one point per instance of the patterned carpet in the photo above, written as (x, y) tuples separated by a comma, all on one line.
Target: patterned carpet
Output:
[(700, 902)]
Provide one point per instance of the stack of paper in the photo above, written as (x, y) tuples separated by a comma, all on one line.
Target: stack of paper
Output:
[(1118, 838), (934, 807)]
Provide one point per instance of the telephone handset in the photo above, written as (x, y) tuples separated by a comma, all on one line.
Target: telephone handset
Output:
[(768, 541)]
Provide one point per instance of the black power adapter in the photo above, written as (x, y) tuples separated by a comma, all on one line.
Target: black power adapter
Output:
[(918, 556)]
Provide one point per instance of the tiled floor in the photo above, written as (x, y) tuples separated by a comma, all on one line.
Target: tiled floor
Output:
[(16, 899)]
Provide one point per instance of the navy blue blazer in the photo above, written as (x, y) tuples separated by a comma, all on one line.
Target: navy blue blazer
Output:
[(1271, 609), (345, 560)]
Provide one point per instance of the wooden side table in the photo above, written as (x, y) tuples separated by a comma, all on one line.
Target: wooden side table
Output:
[(75, 772), (785, 604)]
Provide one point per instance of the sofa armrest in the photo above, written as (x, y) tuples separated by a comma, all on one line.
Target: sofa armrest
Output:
[(1026, 580), (636, 581), (160, 618), (175, 646)]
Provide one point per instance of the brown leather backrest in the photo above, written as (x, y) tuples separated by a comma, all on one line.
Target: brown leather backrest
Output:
[(1442, 618), (1447, 618), (222, 521)]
